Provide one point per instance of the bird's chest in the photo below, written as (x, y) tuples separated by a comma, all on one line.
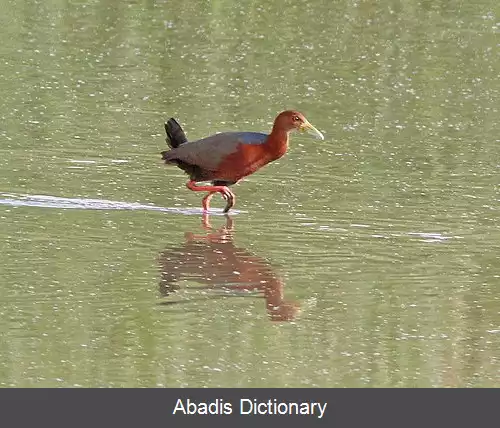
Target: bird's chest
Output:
[(248, 159)]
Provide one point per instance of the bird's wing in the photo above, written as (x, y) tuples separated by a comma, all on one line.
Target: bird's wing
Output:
[(208, 153)]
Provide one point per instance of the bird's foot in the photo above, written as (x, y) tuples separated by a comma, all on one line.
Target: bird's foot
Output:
[(229, 197), (223, 190)]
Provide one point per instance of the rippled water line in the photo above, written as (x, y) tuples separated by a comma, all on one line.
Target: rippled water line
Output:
[(46, 201)]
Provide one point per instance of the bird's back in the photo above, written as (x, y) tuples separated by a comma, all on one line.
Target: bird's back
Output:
[(209, 152)]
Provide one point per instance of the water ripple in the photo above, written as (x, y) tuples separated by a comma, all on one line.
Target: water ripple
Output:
[(46, 201)]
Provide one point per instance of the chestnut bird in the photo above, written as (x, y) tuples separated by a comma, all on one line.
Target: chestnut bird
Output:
[(224, 159)]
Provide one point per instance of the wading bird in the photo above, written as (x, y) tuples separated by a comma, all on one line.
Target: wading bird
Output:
[(224, 159)]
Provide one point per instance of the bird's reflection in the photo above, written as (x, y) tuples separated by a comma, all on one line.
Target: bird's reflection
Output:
[(213, 260)]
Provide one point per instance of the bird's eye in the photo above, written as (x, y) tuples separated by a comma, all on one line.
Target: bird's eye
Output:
[(296, 118)]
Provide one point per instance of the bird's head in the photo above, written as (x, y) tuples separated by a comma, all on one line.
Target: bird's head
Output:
[(291, 120)]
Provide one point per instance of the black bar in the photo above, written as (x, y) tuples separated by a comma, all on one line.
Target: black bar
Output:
[(344, 407)]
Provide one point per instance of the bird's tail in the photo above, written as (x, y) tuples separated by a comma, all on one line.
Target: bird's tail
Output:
[(175, 134)]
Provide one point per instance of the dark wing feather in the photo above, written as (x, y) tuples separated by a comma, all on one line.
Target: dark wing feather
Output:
[(175, 134), (209, 152), (201, 159)]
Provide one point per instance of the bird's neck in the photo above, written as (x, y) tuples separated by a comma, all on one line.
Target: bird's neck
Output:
[(277, 142)]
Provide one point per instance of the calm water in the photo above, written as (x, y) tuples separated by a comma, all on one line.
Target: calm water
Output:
[(369, 259)]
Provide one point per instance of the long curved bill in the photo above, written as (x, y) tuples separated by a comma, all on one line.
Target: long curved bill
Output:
[(307, 127)]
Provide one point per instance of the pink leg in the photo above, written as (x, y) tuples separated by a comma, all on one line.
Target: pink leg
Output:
[(223, 190), (206, 201)]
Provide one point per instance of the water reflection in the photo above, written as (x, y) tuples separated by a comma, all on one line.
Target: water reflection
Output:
[(214, 261)]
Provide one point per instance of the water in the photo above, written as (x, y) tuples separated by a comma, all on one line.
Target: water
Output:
[(368, 259)]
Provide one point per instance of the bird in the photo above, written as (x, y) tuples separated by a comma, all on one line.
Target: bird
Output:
[(225, 158)]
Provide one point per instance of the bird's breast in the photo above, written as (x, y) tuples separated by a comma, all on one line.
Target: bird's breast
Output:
[(247, 159)]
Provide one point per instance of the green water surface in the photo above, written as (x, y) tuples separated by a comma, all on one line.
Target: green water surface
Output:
[(369, 259)]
